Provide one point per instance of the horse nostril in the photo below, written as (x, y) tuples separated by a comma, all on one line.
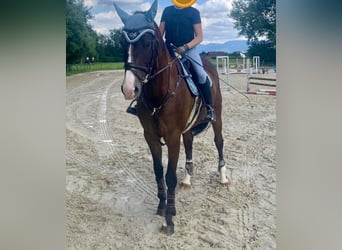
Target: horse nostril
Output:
[(136, 90)]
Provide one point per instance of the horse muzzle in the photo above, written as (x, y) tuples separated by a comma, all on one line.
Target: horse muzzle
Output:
[(131, 87)]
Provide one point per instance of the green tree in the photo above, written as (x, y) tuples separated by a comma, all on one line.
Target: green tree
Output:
[(265, 50), (80, 37), (109, 47), (116, 36), (255, 19)]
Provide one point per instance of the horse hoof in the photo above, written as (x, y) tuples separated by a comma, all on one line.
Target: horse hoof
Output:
[(222, 163), (161, 212), (185, 186), (225, 184), (168, 230)]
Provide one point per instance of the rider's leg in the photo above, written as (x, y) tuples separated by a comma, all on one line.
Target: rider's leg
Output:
[(206, 92), (203, 82)]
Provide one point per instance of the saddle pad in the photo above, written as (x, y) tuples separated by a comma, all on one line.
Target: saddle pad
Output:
[(192, 86)]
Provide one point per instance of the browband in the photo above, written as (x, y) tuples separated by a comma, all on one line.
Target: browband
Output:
[(133, 36)]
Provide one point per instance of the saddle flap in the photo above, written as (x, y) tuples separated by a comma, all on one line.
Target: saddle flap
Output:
[(192, 86)]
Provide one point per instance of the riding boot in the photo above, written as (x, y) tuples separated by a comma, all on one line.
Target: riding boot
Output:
[(206, 93)]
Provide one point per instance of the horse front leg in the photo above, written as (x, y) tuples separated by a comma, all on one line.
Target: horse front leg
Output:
[(171, 182), (189, 169), (158, 171), (156, 151)]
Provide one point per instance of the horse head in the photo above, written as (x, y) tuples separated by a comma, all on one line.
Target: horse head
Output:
[(140, 48)]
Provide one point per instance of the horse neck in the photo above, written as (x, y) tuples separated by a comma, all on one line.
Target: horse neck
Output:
[(164, 82)]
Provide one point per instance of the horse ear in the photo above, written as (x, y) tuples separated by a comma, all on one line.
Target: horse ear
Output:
[(122, 14), (153, 10)]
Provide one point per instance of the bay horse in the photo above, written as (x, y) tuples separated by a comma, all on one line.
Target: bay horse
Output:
[(164, 103)]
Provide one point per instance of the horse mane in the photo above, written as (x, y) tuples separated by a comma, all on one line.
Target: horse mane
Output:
[(159, 38), (208, 65)]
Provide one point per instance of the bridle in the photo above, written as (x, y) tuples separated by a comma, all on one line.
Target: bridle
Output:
[(134, 36)]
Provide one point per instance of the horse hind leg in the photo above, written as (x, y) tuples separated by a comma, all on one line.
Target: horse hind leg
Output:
[(222, 170), (186, 183), (218, 139), (188, 142)]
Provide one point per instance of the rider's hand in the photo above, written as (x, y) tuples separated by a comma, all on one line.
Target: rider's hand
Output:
[(182, 49)]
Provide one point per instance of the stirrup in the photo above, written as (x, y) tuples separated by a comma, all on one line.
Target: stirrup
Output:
[(211, 116), (132, 109)]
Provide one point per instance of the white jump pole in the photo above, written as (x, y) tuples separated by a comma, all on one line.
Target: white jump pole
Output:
[(248, 65), (225, 64), (256, 63), (244, 62)]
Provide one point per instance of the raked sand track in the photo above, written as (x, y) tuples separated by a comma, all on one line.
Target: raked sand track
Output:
[(110, 186)]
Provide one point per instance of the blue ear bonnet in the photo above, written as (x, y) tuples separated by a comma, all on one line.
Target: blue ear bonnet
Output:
[(138, 21), (137, 25)]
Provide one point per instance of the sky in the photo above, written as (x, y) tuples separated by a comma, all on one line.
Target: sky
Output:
[(217, 26)]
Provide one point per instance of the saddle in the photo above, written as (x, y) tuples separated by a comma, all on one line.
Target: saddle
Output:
[(190, 76), (186, 71), (190, 79)]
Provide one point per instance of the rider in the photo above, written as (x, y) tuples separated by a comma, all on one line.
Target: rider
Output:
[(183, 29)]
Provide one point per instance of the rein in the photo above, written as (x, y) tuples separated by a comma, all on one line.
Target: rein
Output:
[(148, 70), (168, 95), (169, 65), (166, 98)]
